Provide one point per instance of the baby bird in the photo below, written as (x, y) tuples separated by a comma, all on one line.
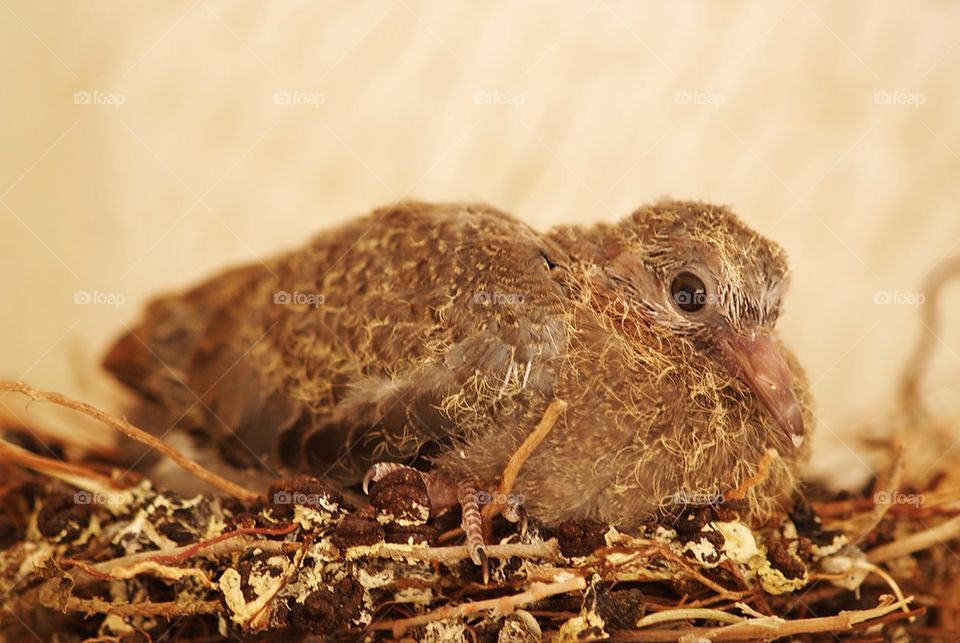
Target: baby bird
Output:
[(438, 334)]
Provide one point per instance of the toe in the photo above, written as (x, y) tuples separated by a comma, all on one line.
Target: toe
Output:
[(379, 471)]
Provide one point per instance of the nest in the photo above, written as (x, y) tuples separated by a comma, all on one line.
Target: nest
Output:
[(88, 554), (87, 558)]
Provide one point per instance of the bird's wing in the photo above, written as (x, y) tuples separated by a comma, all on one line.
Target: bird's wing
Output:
[(436, 314), (187, 360), (366, 345)]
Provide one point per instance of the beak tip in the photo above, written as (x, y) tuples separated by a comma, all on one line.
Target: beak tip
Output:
[(757, 360)]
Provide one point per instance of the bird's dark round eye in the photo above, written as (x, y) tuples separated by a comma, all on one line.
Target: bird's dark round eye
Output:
[(688, 292)]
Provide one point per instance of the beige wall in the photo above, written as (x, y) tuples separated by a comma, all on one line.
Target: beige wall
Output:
[(199, 166)]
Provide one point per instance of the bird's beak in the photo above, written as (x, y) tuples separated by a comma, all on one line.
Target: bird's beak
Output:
[(756, 360)]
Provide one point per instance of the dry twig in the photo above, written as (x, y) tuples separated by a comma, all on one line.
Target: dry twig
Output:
[(770, 628), (133, 432), (520, 457), (919, 360), (504, 604), (757, 479), (73, 473)]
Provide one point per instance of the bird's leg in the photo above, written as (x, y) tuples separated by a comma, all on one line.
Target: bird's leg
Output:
[(471, 521), (445, 492)]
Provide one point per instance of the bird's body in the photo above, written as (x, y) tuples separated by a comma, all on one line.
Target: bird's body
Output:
[(444, 331)]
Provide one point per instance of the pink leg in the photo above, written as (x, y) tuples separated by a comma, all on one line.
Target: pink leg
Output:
[(471, 522)]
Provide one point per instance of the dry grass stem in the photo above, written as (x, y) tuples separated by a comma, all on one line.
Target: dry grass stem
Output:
[(127, 429)]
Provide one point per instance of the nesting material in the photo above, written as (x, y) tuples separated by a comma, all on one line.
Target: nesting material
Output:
[(86, 557)]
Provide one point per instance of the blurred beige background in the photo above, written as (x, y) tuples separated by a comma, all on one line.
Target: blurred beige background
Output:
[(147, 144)]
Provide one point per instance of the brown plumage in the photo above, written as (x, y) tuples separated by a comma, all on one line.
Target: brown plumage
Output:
[(442, 332)]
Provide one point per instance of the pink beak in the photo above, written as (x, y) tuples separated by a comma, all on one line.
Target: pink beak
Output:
[(758, 363)]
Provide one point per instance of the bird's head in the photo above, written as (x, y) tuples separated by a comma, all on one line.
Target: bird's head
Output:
[(702, 277)]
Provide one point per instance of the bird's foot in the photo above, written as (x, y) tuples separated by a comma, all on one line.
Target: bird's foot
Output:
[(472, 522), (445, 492), (381, 470)]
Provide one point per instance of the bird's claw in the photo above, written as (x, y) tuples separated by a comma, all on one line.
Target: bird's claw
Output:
[(478, 554), (381, 470)]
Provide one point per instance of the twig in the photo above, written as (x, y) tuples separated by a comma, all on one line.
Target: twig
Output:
[(71, 473), (548, 550), (505, 604), (133, 432), (687, 613), (49, 597), (890, 489), (888, 579), (246, 531), (267, 597), (919, 360), (756, 479), (770, 628), (693, 573), (140, 562), (520, 457), (229, 542), (916, 542), (233, 541), (683, 565)]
